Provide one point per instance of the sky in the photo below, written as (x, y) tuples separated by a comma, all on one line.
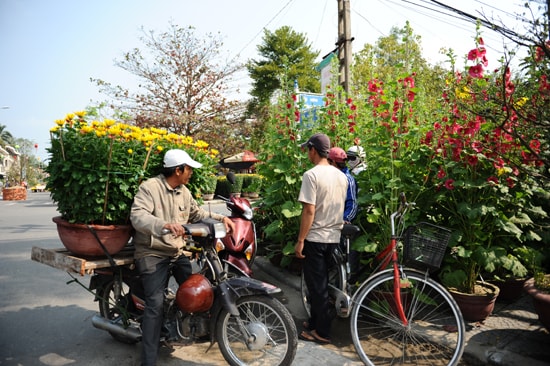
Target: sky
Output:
[(49, 49)]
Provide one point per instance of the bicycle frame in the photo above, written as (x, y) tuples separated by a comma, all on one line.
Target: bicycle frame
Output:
[(389, 254)]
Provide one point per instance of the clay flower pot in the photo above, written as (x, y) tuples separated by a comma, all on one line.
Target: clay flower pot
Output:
[(541, 301), (477, 306), (79, 239)]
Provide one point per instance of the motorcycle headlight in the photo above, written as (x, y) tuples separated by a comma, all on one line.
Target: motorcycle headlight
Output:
[(247, 213), (219, 230)]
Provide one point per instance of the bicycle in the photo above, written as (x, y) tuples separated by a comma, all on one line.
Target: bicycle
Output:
[(399, 315)]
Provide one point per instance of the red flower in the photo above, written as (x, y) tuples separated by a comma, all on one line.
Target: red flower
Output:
[(472, 160), (476, 71), (492, 180), (472, 55), (441, 173), (449, 184)]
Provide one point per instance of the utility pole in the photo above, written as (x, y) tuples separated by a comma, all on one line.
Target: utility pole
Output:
[(344, 43)]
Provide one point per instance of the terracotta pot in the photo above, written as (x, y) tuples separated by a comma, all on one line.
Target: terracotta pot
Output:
[(476, 307), (14, 194), (79, 240), (541, 301), (511, 289)]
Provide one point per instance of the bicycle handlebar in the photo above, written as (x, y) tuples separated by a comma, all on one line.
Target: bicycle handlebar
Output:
[(401, 210)]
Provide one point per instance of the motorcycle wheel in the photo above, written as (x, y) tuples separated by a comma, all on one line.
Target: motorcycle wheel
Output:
[(114, 302), (271, 337)]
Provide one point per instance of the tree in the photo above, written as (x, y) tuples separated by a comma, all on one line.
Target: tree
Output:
[(6, 137), (286, 57), (183, 86)]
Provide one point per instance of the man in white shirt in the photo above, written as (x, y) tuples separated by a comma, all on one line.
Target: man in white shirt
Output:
[(323, 196)]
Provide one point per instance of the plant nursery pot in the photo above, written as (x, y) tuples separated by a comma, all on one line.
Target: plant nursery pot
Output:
[(511, 289), (14, 194), (476, 306), (208, 196), (79, 240), (541, 301)]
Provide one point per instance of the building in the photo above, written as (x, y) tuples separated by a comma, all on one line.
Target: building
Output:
[(8, 156)]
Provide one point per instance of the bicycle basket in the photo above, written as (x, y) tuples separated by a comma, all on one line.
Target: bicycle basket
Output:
[(424, 245)]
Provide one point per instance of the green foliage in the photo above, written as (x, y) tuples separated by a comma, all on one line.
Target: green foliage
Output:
[(207, 183), (285, 55), (463, 169), (95, 168), (252, 183)]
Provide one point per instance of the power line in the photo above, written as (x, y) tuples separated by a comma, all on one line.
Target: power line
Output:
[(265, 26)]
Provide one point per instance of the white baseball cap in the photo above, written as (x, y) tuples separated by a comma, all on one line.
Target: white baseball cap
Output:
[(177, 157)]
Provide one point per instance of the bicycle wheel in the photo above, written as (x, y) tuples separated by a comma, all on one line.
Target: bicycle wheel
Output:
[(271, 337), (434, 335)]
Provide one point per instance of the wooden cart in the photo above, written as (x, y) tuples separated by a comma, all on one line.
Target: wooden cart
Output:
[(62, 259)]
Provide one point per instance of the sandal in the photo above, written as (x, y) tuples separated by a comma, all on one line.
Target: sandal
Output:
[(313, 337), (318, 338), (306, 336)]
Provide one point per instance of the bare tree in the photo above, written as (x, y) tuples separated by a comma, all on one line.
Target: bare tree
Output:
[(183, 86)]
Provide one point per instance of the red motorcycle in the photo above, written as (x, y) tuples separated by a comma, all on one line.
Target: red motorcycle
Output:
[(238, 249)]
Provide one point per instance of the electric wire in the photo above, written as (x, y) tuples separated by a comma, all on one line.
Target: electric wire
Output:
[(265, 26)]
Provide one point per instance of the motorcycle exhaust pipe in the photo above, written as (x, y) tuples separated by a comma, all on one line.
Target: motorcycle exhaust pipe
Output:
[(105, 324)]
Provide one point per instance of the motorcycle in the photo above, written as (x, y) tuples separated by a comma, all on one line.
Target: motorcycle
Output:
[(238, 312), (238, 249)]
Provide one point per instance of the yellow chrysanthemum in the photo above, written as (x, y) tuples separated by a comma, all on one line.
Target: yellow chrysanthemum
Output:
[(463, 94), (80, 113), (521, 102)]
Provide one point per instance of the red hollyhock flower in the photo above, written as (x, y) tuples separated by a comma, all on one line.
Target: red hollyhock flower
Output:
[(449, 184), (476, 71)]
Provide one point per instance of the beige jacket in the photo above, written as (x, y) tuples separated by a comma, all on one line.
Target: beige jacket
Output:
[(156, 204)]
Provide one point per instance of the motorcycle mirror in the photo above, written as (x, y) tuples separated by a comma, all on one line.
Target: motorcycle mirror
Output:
[(231, 177)]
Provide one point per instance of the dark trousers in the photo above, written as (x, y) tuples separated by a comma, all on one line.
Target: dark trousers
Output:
[(318, 258), (155, 273)]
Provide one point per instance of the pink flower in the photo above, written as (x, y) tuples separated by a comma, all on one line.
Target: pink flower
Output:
[(476, 71)]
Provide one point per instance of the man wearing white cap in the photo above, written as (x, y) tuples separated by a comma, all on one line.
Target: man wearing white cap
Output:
[(164, 202)]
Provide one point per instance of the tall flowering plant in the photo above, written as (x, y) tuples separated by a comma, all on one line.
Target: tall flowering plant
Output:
[(95, 167), (284, 162), (480, 174)]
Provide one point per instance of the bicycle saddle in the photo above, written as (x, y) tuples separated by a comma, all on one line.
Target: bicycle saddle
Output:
[(350, 231)]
